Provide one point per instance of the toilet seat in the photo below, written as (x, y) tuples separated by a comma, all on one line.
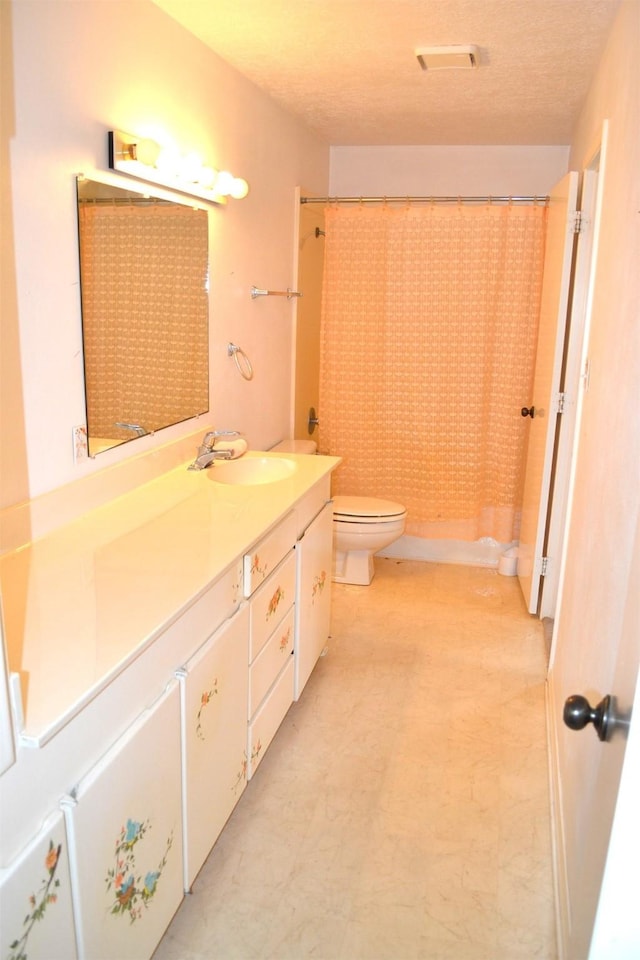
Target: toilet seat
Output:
[(349, 509)]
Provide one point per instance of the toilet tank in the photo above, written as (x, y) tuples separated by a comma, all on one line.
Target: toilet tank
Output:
[(295, 446)]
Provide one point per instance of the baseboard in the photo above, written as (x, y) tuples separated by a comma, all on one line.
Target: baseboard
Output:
[(478, 553), (561, 893)]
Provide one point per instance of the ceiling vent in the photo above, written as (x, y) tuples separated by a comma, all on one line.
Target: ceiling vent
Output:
[(448, 58)]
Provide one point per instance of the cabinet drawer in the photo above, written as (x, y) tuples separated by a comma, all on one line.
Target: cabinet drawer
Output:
[(268, 553), (270, 603), (270, 661), (311, 504), (223, 597), (265, 724)]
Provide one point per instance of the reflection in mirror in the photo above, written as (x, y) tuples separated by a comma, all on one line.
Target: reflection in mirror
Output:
[(144, 286)]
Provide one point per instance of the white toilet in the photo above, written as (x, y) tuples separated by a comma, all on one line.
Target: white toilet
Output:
[(295, 446), (361, 527)]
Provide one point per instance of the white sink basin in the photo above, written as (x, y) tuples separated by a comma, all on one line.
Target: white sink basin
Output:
[(251, 470)]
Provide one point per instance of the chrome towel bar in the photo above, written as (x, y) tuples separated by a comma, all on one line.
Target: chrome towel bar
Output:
[(289, 294)]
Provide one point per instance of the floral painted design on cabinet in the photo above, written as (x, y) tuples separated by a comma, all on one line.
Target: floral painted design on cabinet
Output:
[(318, 585), (275, 602), (257, 566), (205, 700), (132, 893), (44, 897), (242, 773), (284, 640)]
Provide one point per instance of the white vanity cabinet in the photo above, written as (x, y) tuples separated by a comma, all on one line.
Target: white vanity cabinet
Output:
[(36, 914), (213, 697), (313, 596), (124, 827), (157, 639), (272, 564)]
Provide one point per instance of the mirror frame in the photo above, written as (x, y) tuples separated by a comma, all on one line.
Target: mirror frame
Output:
[(117, 191)]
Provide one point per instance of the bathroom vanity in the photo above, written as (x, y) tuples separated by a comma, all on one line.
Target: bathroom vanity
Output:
[(155, 643)]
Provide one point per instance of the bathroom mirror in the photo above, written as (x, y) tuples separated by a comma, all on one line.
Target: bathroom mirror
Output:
[(144, 281)]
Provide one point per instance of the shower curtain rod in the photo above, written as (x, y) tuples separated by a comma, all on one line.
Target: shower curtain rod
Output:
[(488, 199)]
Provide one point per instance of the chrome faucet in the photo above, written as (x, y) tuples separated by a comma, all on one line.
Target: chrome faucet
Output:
[(207, 452), (135, 427)]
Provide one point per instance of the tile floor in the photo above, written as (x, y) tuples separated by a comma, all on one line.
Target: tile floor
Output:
[(402, 810)]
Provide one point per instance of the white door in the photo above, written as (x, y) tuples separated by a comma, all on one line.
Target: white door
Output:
[(543, 404), (313, 601), (36, 915), (571, 387), (125, 839), (213, 702), (596, 652), (596, 648)]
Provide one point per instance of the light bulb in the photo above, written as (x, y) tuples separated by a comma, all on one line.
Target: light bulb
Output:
[(147, 152), (168, 161), (239, 188), (207, 177), (190, 167), (224, 181)]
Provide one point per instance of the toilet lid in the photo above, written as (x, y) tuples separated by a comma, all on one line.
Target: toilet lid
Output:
[(367, 507)]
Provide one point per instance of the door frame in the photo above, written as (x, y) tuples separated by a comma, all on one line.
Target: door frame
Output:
[(555, 310), (571, 380)]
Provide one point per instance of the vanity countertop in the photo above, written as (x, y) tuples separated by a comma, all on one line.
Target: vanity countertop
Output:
[(85, 600)]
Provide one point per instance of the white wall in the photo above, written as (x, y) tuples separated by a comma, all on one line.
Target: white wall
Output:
[(445, 171), (70, 72)]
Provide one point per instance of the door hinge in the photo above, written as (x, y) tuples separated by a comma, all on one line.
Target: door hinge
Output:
[(577, 221), (543, 566), (560, 401)]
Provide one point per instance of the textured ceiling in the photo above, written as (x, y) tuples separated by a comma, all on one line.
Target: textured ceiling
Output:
[(347, 68)]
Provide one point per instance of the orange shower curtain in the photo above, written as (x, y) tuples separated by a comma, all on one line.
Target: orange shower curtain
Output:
[(428, 337)]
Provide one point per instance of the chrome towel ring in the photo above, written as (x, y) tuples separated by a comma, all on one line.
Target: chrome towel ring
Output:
[(241, 360)]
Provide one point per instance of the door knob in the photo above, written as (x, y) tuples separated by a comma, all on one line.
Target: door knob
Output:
[(578, 713), (528, 412)]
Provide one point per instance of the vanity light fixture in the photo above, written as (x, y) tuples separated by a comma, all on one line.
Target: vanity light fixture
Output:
[(145, 159)]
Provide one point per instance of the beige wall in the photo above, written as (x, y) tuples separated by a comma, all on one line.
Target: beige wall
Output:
[(70, 72), (445, 171)]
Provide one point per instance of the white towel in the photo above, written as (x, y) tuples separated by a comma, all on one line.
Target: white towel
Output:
[(237, 446)]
